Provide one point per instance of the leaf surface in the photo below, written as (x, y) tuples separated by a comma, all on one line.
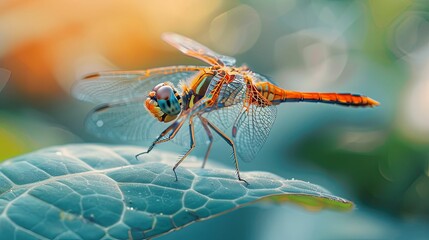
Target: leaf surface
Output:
[(104, 192)]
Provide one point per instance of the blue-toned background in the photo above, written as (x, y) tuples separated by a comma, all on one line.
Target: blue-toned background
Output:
[(378, 158)]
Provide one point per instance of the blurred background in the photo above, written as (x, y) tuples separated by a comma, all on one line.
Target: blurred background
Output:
[(378, 158)]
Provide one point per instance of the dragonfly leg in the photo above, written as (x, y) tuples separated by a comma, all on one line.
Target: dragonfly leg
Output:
[(175, 130), (231, 143), (175, 127), (210, 135), (192, 145), (151, 146)]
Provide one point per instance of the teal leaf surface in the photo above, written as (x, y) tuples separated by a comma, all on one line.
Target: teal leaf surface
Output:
[(104, 192)]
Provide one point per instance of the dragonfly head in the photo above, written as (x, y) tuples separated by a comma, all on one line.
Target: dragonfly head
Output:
[(164, 102)]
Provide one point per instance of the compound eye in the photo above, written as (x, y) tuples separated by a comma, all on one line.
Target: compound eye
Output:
[(157, 87), (164, 92)]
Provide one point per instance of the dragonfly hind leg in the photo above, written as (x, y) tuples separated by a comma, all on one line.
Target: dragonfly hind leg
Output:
[(231, 143), (192, 146), (174, 128)]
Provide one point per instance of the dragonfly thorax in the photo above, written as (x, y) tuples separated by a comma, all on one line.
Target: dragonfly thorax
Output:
[(164, 102)]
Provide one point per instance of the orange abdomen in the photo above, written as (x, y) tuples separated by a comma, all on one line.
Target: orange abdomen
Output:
[(277, 95)]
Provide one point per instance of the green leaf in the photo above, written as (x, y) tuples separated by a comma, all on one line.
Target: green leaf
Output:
[(104, 192)]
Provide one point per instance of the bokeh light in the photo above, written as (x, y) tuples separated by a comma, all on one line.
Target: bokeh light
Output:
[(227, 30), (320, 57)]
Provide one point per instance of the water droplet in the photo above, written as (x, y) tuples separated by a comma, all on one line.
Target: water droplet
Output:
[(100, 123)]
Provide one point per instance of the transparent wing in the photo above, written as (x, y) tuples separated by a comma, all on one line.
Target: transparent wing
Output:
[(113, 86), (229, 103), (253, 128), (129, 121), (124, 121), (250, 115), (197, 50), (254, 123)]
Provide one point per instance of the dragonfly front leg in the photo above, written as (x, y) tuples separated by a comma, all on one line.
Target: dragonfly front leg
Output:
[(192, 145), (231, 143), (174, 128)]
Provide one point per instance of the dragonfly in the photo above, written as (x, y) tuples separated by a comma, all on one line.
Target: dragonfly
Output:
[(233, 102)]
